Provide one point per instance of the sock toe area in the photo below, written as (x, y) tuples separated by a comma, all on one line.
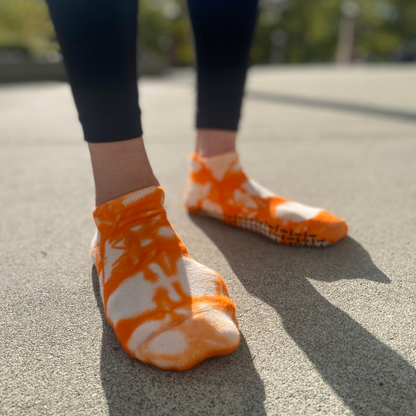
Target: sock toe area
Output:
[(205, 334), (330, 227)]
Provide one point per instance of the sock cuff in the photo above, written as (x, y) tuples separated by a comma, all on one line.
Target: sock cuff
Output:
[(221, 161), (145, 202)]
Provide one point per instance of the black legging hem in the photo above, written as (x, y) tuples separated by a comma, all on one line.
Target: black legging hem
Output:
[(112, 128), (217, 121), (98, 40)]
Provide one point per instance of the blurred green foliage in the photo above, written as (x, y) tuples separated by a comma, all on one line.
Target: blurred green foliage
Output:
[(312, 28), (165, 35), (26, 24), (309, 29)]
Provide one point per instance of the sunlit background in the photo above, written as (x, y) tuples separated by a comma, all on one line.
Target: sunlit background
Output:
[(288, 32)]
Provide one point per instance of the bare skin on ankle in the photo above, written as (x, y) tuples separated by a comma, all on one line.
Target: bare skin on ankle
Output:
[(211, 142), (120, 168)]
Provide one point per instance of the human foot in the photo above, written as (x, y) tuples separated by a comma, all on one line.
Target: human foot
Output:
[(219, 188), (166, 309)]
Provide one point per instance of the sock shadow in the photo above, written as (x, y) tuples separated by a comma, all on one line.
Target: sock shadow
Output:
[(219, 385), (368, 376)]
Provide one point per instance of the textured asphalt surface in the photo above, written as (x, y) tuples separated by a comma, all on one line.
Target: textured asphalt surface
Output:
[(325, 332)]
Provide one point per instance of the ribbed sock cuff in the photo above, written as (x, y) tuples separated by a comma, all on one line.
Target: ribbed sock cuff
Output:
[(141, 203), (217, 161)]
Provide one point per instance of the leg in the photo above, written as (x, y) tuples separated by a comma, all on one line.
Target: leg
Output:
[(120, 168), (98, 41), (223, 30), (166, 309), (218, 186)]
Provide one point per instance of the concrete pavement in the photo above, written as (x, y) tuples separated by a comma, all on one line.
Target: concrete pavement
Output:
[(328, 332)]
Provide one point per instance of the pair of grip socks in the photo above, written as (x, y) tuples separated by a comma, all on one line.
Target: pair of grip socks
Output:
[(167, 309)]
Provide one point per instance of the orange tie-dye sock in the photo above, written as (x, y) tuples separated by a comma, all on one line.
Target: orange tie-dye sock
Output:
[(218, 187), (166, 309)]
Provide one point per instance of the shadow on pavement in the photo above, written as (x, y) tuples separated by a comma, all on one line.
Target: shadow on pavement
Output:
[(368, 376), (220, 385), (332, 105)]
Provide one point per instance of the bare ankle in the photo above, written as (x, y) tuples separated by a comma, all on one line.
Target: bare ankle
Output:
[(120, 168), (210, 142)]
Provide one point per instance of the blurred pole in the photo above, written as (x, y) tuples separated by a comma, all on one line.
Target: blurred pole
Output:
[(278, 40), (172, 11), (173, 51), (346, 34)]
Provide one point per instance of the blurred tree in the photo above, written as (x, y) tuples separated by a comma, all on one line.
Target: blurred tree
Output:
[(165, 36), (297, 31), (311, 27), (25, 24)]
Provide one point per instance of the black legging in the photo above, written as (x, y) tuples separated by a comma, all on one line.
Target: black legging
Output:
[(98, 42)]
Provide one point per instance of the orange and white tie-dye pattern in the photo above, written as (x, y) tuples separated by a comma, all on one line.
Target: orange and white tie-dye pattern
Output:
[(166, 309), (218, 187)]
